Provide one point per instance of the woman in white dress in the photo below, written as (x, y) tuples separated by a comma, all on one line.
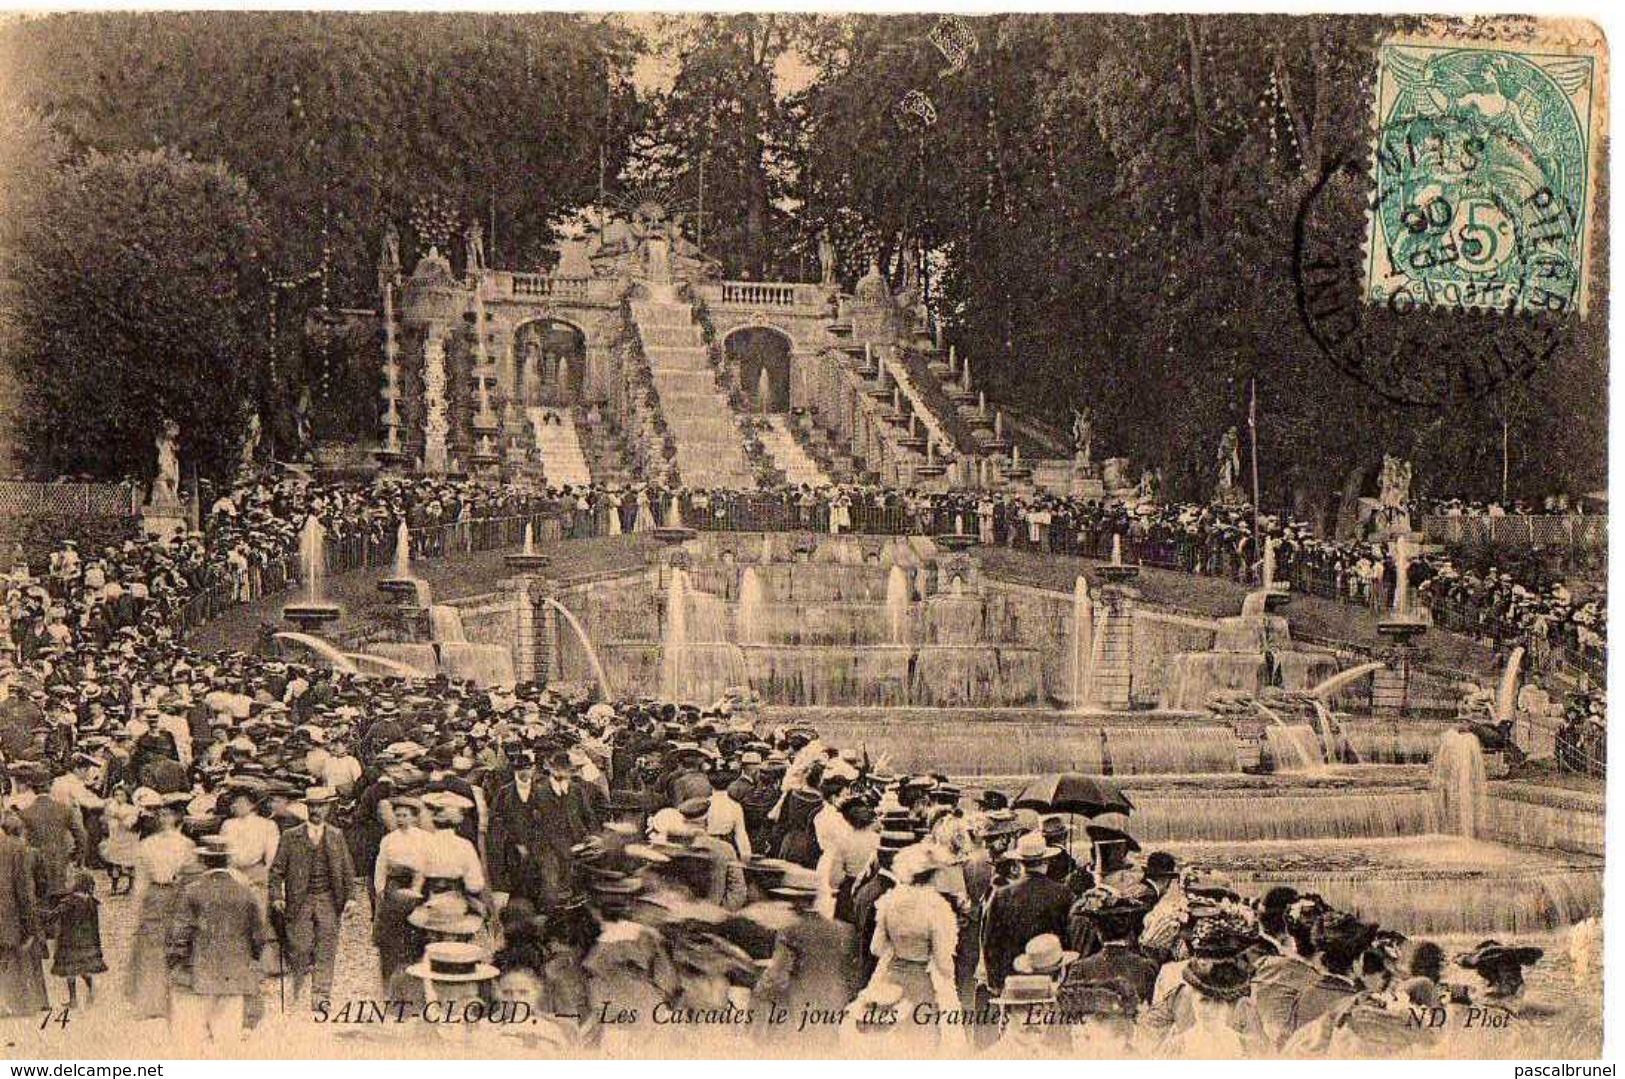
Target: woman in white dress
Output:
[(160, 858), (645, 521), (916, 933)]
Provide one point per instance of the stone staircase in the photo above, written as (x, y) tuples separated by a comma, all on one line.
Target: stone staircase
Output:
[(788, 456), (698, 416), (604, 447), (831, 453), (563, 461)]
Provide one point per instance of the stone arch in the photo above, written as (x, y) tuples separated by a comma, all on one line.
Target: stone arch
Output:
[(762, 354), (548, 355)]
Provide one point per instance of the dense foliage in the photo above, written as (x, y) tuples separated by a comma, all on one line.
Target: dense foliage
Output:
[(1105, 206), (141, 302), (1110, 203)]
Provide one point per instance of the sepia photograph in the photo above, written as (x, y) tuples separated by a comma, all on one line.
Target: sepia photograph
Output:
[(792, 536)]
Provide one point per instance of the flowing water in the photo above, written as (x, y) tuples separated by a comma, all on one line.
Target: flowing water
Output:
[(486, 665), (446, 624), (315, 649), (1506, 697), (403, 552), (751, 601), (1460, 784), (698, 662), (897, 604), (313, 558), (1081, 646), (1294, 748)]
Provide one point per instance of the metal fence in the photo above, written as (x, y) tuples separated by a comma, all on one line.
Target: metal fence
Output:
[(345, 554), (1530, 530), (20, 498)]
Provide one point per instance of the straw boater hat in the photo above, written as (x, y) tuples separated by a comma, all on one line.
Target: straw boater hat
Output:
[(316, 796), (453, 961), (1031, 847), (1022, 989), (447, 913), (1044, 955)]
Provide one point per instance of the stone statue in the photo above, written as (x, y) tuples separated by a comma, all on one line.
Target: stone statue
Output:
[(301, 422), (251, 445), (1396, 483), (1148, 485), (166, 485), (1229, 461), (389, 259), (474, 249), (1083, 436), (826, 259)]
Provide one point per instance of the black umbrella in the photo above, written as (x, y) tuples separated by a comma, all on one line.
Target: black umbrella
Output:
[(1069, 792)]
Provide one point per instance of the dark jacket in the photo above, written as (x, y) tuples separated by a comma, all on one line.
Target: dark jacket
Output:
[(1031, 907), (289, 879), (1118, 962), (216, 934), (514, 845)]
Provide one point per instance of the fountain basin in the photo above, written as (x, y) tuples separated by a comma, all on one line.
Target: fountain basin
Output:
[(311, 616), (526, 562), (1423, 884), (673, 534), (404, 589), (1401, 628), (952, 541), (1116, 573)]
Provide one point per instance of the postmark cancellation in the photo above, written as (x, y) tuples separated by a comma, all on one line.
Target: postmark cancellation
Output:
[(1485, 156)]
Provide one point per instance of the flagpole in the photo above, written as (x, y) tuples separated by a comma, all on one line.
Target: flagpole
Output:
[(1252, 430)]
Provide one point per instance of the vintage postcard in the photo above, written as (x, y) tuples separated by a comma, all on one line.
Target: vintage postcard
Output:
[(793, 535)]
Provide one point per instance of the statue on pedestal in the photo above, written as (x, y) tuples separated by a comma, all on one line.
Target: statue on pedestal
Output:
[(1394, 496), (826, 259), (250, 447), (1083, 436), (389, 259), (1229, 466), (166, 485), (474, 250)]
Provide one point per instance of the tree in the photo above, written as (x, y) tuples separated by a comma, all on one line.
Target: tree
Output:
[(140, 299), (724, 124), (30, 155)]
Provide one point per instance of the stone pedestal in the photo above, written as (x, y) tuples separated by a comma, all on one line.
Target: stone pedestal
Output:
[(163, 519), (1112, 678)]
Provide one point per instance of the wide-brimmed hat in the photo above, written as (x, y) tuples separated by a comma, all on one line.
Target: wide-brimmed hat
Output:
[(316, 796), (446, 912), (214, 851), (1219, 979), (694, 808), (1026, 989), (1492, 953), (1030, 847), (453, 961), (1044, 955), (1160, 865)]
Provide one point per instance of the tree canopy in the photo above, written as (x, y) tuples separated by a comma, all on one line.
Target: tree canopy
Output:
[(141, 301)]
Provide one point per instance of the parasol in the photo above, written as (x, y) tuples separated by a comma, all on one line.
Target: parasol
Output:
[(1069, 792)]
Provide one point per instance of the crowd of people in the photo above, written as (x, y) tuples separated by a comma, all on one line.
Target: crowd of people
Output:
[(678, 867), (591, 860)]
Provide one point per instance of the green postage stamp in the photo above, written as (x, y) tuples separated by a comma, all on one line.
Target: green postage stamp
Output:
[(1485, 162)]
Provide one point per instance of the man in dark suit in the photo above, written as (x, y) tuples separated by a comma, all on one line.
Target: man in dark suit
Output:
[(1023, 909), (515, 834), (309, 884), (565, 815), (213, 945), (55, 831)]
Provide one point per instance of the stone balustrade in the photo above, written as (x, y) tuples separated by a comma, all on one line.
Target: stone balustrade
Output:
[(761, 294), (508, 285)]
